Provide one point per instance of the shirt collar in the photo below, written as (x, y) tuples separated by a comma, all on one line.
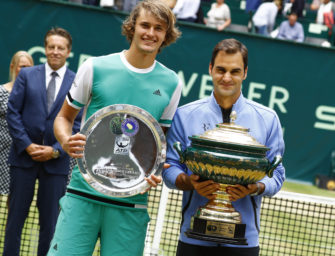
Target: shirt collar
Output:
[(61, 71), (237, 106), (134, 69)]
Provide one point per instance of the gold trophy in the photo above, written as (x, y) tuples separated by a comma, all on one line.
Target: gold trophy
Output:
[(227, 155)]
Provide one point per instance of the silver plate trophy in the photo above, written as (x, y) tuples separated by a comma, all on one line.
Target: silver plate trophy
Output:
[(124, 144)]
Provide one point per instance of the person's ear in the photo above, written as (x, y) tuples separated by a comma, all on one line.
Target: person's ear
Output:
[(245, 73)]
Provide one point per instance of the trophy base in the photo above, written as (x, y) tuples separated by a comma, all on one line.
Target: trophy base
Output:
[(216, 239), (217, 231)]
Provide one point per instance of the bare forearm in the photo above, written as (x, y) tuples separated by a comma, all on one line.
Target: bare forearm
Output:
[(62, 129), (183, 182), (227, 23), (224, 25), (71, 144)]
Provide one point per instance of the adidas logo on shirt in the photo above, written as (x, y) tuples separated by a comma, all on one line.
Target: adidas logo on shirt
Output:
[(157, 92)]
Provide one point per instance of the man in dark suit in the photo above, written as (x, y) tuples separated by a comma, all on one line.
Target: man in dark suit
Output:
[(36, 98)]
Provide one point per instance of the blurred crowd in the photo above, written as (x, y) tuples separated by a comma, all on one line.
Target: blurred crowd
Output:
[(281, 19)]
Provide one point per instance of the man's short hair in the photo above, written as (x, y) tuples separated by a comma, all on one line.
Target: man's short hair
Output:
[(293, 13), (161, 11), (59, 32), (230, 46)]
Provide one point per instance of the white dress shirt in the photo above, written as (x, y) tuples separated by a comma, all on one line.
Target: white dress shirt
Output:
[(59, 78), (324, 8), (265, 15), (186, 9)]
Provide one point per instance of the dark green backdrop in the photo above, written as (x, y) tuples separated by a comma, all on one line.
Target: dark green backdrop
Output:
[(296, 80)]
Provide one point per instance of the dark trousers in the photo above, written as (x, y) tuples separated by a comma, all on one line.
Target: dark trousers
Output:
[(197, 250), (22, 187)]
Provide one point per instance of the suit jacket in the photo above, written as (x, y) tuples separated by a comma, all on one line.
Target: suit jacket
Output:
[(29, 121)]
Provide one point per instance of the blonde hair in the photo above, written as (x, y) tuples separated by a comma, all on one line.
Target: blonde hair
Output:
[(279, 3), (15, 62), (161, 11)]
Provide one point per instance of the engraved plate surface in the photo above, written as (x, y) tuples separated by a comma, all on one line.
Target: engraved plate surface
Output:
[(220, 228), (124, 144)]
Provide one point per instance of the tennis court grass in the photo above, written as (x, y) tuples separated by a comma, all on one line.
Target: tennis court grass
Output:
[(303, 188)]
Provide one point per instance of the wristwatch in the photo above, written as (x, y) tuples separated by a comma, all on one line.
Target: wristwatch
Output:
[(257, 191), (55, 153)]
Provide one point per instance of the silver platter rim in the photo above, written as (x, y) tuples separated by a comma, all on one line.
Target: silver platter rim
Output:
[(157, 132)]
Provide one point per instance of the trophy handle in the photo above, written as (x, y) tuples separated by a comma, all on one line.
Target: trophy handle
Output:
[(177, 147), (276, 161)]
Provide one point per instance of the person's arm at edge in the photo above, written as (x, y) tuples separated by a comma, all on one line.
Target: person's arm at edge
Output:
[(281, 32), (177, 176), (15, 104), (172, 158), (277, 147), (71, 144), (226, 23), (267, 186), (272, 19), (176, 9), (301, 36)]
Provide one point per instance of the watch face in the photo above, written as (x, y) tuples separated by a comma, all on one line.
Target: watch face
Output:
[(55, 153), (124, 145)]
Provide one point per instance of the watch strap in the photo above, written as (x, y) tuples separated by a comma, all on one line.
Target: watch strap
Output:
[(257, 191)]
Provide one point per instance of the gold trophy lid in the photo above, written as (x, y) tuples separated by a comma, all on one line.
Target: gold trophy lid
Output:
[(231, 133)]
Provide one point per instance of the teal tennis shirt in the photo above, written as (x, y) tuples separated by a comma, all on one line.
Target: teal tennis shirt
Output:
[(107, 80)]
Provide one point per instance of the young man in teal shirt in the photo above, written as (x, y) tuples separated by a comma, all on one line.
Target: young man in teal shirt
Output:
[(129, 77)]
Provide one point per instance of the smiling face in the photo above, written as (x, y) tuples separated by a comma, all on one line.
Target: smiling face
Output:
[(228, 73), (57, 51), (149, 33)]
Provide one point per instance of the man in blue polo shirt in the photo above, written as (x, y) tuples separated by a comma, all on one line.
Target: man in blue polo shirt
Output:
[(228, 68)]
